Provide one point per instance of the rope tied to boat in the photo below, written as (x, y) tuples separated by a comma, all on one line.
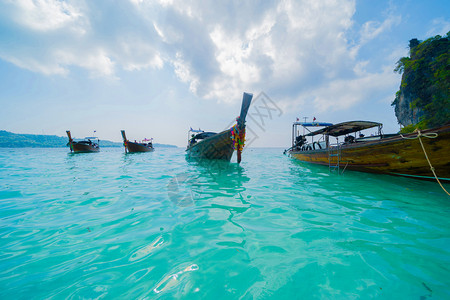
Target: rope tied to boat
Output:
[(431, 135)]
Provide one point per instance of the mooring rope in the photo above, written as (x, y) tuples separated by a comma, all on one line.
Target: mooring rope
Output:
[(431, 135)]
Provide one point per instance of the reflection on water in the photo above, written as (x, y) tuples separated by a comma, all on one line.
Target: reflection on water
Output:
[(109, 225), (206, 179), (172, 280), (147, 250)]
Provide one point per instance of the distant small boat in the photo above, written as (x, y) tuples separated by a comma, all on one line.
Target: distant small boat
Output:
[(211, 145), (403, 155), (132, 147), (84, 146)]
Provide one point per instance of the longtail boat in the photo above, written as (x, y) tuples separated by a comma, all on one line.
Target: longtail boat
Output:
[(422, 154), (211, 145), (132, 147), (83, 146)]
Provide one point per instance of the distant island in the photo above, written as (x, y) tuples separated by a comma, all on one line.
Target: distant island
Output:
[(15, 140)]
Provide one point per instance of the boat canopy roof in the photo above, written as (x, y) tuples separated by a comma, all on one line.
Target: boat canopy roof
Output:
[(195, 130), (345, 128), (313, 124), (204, 135)]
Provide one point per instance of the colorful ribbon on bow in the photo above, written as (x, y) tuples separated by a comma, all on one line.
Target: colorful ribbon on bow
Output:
[(238, 137)]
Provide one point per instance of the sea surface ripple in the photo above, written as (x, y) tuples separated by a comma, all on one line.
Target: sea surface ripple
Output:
[(159, 226)]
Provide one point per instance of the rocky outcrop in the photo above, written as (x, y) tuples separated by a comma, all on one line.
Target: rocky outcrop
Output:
[(406, 115), (423, 100)]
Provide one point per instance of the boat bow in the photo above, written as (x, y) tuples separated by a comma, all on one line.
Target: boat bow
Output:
[(220, 145)]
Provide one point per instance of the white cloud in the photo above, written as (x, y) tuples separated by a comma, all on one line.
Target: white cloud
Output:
[(169, 35), (99, 63), (439, 26), (343, 94), (372, 29), (43, 15), (133, 53), (36, 65), (137, 2), (96, 61), (233, 55), (296, 49), (182, 70)]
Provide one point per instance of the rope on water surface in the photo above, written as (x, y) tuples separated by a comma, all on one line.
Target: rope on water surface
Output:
[(431, 135)]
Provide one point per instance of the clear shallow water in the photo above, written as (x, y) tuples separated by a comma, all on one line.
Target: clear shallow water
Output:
[(154, 225)]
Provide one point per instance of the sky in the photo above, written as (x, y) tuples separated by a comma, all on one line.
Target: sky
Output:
[(156, 68)]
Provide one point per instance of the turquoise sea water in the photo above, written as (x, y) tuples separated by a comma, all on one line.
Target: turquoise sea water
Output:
[(156, 226)]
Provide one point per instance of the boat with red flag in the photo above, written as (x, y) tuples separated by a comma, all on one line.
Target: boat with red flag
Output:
[(146, 145), (421, 154)]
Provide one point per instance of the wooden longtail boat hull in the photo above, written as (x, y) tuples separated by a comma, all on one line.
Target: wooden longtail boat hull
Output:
[(138, 147), (133, 147), (394, 155), (219, 146), (84, 148)]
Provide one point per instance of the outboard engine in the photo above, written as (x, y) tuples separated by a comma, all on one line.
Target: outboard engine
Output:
[(300, 141), (349, 139)]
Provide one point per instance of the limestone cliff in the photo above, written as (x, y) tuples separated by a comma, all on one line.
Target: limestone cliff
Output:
[(423, 100), (406, 115)]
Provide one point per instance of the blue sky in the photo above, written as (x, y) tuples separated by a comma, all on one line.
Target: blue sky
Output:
[(156, 68)]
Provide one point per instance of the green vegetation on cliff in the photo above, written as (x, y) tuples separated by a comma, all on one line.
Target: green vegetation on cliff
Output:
[(425, 85)]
